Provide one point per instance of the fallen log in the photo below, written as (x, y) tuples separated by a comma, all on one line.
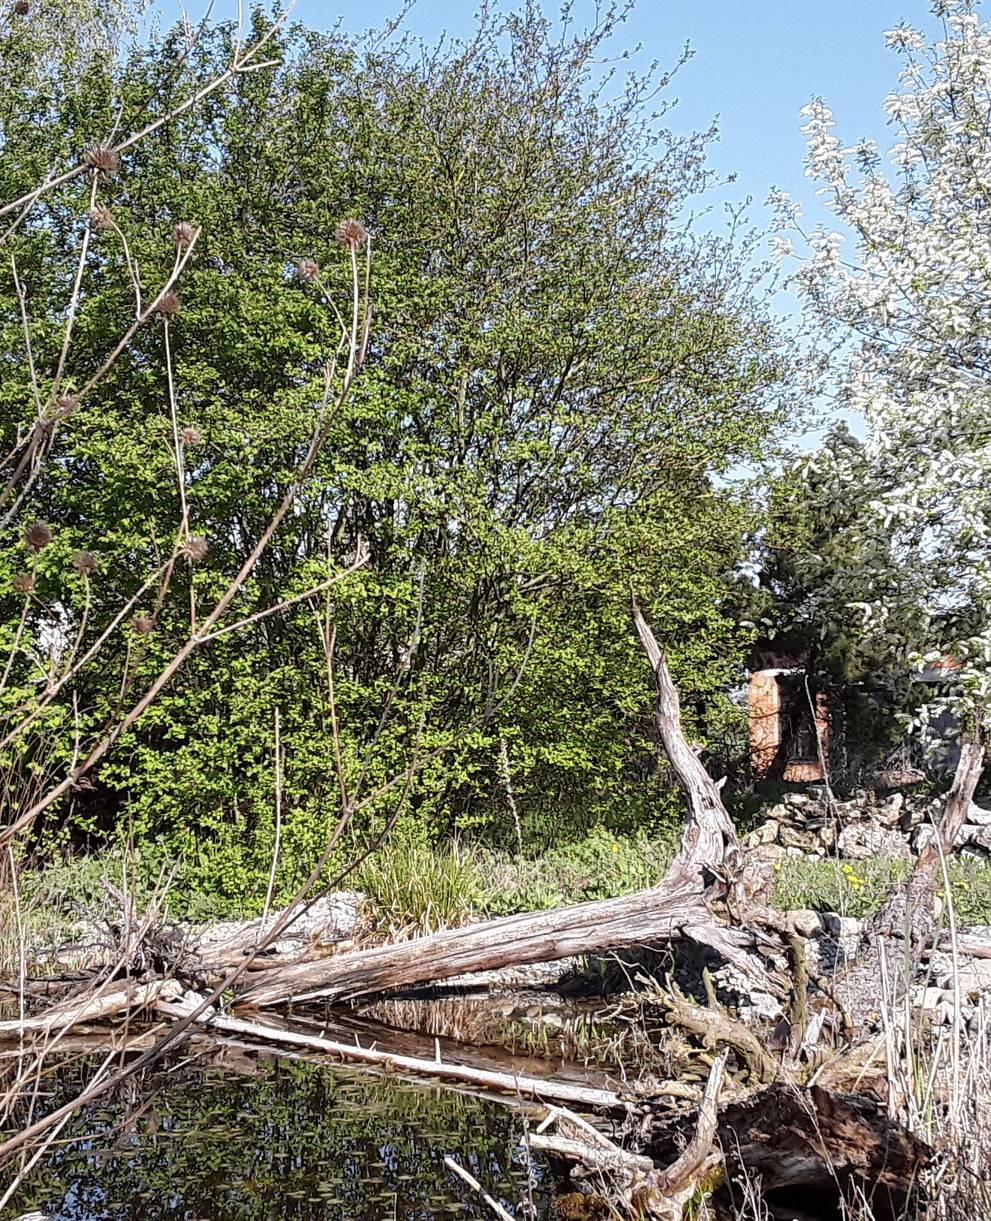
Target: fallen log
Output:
[(707, 865), (518, 1085), (809, 1152), (646, 917), (91, 1008)]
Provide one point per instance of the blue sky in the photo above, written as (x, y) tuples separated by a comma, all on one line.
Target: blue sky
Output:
[(756, 63)]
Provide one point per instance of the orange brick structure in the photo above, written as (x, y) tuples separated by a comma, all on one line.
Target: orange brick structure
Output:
[(786, 741)]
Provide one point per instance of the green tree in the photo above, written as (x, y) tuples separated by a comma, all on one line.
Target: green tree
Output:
[(563, 378)]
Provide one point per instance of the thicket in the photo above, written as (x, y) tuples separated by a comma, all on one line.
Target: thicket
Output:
[(564, 381)]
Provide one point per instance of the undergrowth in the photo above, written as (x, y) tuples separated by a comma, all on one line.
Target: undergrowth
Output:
[(419, 888)]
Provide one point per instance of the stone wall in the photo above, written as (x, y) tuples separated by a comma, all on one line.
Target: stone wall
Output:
[(895, 826)]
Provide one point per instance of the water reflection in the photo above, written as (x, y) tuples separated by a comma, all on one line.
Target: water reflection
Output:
[(281, 1139)]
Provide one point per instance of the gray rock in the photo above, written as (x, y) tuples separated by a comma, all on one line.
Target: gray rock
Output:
[(861, 841), (928, 998), (975, 839), (890, 813), (973, 979), (978, 816), (793, 837), (797, 799), (766, 833)]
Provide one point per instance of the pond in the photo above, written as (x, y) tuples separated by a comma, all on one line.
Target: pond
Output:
[(262, 1137)]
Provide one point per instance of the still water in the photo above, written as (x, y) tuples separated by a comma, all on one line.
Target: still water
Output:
[(273, 1138)]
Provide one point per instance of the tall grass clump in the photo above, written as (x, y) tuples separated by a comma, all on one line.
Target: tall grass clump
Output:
[(417, 889)]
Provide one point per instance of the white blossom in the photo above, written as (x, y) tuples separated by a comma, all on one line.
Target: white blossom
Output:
[(907, 299)]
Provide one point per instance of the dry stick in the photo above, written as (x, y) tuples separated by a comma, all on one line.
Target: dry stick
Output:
[(22, 964), (476, 1186), (278, 822), (360, 562), (76, 290), (678, 1175), (239, 67), (80, 633), (22, 302), (180, 265), (513, 1083), (132, 267), (16, 642), (176, 442), (329, 640), (605, 1161), (507, 784), (957, 1033)]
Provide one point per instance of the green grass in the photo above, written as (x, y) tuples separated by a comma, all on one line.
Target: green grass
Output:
[(857, 888), (420, 889), (416, 888)]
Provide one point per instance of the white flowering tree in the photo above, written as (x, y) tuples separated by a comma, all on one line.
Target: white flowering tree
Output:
[(905, 293)]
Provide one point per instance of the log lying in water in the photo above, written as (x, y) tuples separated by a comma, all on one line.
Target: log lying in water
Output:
[(91, 1008), (518, 1085)]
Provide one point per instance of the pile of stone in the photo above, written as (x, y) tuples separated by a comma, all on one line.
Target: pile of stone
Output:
[(895, 826)]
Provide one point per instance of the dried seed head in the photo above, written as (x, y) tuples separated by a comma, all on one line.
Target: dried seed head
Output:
[(351, 233), (190, 435), (22, 8), (65, 405), (144, 625), (169, 304), (183, 233), (101, 157), (307, 270), (37, 536), (100, 216), (196, 549), (23, 583), (84, 562)]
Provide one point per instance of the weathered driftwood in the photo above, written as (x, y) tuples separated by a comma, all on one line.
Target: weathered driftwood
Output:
[(517, 1085), (664, 1192), (808, 1150), (493, 1205), (645, 917), (649, 1191), (92, 1008), (679, 906)]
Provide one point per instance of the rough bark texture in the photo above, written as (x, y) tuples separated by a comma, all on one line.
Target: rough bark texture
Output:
[(806, 1151), (641, 918), (676, 908), (906, 925)]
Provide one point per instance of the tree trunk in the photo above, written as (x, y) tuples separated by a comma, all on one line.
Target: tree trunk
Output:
[(677, 907), (905, 927)]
